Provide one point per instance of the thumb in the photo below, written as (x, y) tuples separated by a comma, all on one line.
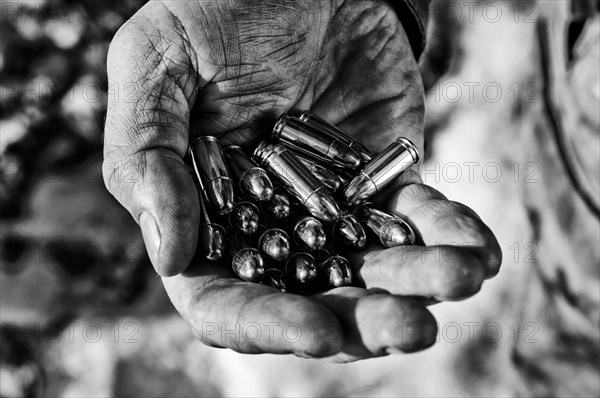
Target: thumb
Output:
[(146, 138)]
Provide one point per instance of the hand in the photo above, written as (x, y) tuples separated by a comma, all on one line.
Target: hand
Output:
[(228, 69)]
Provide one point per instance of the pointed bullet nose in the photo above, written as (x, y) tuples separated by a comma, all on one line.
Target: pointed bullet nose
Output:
[(257, 184), (397, 232), (350, 232), (220, 195), (249, 265), (211, 241)]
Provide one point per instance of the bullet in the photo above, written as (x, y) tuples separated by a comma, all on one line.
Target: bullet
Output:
[(383, 169), (310, 142), (246, 261), (210, 167), (336, 271), (275, 244), (279, 205), (348, 230), (301, 267), (211, 236), (297, 180), (326, 176), (332, 130), (244, 217), (309, 233), (391, 229), (275, 278), (252, 180)]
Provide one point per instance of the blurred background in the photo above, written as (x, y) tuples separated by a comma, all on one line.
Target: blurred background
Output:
[(83, 313)]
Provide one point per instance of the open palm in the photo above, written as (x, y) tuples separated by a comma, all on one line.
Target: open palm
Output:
[(228, 69)]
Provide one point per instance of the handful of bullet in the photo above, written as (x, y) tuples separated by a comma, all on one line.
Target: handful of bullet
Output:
[(285, 214)]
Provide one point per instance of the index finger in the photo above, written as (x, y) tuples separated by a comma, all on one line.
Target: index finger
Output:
[(440, 221)]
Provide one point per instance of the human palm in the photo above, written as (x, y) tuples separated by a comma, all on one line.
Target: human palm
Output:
[(228, 69)]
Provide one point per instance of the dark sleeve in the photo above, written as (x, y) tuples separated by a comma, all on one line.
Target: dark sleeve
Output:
[(413, 14)]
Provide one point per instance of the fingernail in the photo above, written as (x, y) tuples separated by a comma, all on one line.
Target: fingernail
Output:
[(151, 236)]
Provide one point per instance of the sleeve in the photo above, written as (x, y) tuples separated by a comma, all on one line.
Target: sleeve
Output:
[(413, 14)]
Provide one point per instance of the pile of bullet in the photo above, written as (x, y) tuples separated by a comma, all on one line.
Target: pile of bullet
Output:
[(282, 215)]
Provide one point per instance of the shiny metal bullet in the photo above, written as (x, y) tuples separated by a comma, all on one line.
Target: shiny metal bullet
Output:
[(279, 205), (210, 167), (297, 180), (246, 261), (336, 271), (211, 236), (245, 217), (253, 181), (383, 169), (301, 267), (334, 131), (326, 176), (348, 230), (309, 141), (275, 278), (275, 244), (309, 233), (391, 229)]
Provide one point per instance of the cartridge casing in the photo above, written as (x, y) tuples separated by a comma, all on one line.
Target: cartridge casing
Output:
[(310, 142), (297, 180), (252, 180), (383, 169), (326, 176), (335, 132), (211, 236), (210, 167)]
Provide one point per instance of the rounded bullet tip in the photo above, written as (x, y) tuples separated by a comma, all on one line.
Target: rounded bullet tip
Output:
[(245, 217), (257, 184), (350, 232), (301, 267), (310, 233), (249, 265), (275, 244), (337, 271), (397, 232)]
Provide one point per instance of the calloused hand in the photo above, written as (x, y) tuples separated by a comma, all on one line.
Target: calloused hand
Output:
[(228, 69)]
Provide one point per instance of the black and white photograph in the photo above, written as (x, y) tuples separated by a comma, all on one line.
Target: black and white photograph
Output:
[(299, 198)]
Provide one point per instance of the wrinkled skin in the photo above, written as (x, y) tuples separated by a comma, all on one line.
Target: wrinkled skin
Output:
[(229, 68)]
